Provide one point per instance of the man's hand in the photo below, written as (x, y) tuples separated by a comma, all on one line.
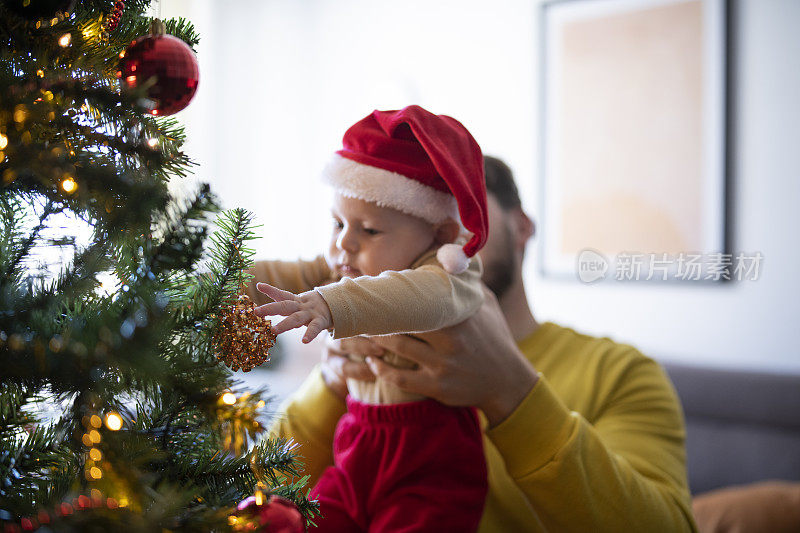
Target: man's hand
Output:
[(337, 367), (306, 309), (475, 363)]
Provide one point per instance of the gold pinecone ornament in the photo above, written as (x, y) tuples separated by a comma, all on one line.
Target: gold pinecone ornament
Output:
[(243, 339)]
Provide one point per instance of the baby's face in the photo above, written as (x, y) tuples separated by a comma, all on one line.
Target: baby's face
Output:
[(368, 239)]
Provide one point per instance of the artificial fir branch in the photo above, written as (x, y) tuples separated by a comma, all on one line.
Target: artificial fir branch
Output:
[(74, 145)]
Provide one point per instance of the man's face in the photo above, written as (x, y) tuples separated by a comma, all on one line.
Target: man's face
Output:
[(499, 255)]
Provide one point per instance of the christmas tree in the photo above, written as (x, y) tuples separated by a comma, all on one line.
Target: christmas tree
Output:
[(115, 411)]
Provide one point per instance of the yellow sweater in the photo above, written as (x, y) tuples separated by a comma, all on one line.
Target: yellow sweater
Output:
[(597, 445)]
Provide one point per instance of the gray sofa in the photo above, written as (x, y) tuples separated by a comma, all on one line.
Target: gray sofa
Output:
[(741, 426)]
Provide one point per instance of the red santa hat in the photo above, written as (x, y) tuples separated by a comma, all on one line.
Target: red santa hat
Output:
[(419, 163)]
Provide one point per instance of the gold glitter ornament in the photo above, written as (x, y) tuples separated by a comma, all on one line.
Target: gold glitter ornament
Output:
[(243, 339)]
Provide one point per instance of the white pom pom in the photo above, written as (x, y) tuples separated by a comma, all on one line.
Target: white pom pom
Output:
[(452, 258)]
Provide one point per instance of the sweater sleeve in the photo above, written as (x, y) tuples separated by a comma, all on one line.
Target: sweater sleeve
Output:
[(626, 470), (292, 276), (419, 299), (309, 417)]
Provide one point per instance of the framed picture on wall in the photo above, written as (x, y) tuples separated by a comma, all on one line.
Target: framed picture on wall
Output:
[(633, 130)]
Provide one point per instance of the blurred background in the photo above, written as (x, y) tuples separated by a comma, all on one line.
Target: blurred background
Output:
[(281, 80)]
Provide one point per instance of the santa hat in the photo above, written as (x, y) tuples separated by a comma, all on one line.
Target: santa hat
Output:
[(419, 163)]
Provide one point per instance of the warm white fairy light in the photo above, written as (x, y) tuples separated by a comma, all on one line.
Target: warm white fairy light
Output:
[(229, 398), (113, 421), (69, 185)]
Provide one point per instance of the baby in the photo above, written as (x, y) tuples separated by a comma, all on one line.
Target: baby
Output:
[(409, 187)]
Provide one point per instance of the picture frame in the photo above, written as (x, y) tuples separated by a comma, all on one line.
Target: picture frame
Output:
[(634, 141)]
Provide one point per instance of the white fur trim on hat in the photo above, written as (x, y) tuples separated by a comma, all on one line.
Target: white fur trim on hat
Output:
[(452, 258), (390, 189)]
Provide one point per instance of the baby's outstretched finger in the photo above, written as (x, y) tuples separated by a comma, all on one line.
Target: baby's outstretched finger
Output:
[(274, 292), (284, 308), (295, 320), (314, 328)]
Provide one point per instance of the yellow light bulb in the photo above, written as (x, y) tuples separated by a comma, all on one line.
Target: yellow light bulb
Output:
[(95, 421), (151, 142), (95, 472), (228, 398), (95, 454), (3, 141), (65, 40), (20, 113), (69, 185), (40, 73), (113, 421)]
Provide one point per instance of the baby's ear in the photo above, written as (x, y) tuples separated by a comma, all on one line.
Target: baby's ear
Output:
[(447, 231)]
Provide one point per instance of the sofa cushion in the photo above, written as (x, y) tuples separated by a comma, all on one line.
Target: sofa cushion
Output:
[(741, 426)]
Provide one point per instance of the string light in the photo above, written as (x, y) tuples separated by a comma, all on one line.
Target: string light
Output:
[(151, 142), (65, 40), (228, 398), (69, 185), (20, 113), (3, 141), (95, 454), (95, 472), (95, 421), (94, 435), (113, 421)]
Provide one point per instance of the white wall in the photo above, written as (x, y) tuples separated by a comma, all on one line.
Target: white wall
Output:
[(282, 79)]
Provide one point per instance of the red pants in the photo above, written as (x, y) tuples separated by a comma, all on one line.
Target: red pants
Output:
[(405, 467)]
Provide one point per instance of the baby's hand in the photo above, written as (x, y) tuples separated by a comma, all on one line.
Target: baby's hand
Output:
[(305, 309)]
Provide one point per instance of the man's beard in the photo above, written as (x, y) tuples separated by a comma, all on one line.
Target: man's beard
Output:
[(499, 274)]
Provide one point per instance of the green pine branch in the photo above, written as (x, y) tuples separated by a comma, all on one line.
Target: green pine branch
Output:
[(75, 147)]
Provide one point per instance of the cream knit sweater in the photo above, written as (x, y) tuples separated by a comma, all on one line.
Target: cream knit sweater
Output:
[(423, 297)]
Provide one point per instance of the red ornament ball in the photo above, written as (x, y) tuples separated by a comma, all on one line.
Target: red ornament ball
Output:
[(277, 515), (171, 62)]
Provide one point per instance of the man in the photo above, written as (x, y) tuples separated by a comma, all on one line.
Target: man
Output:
[(580, 433)]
